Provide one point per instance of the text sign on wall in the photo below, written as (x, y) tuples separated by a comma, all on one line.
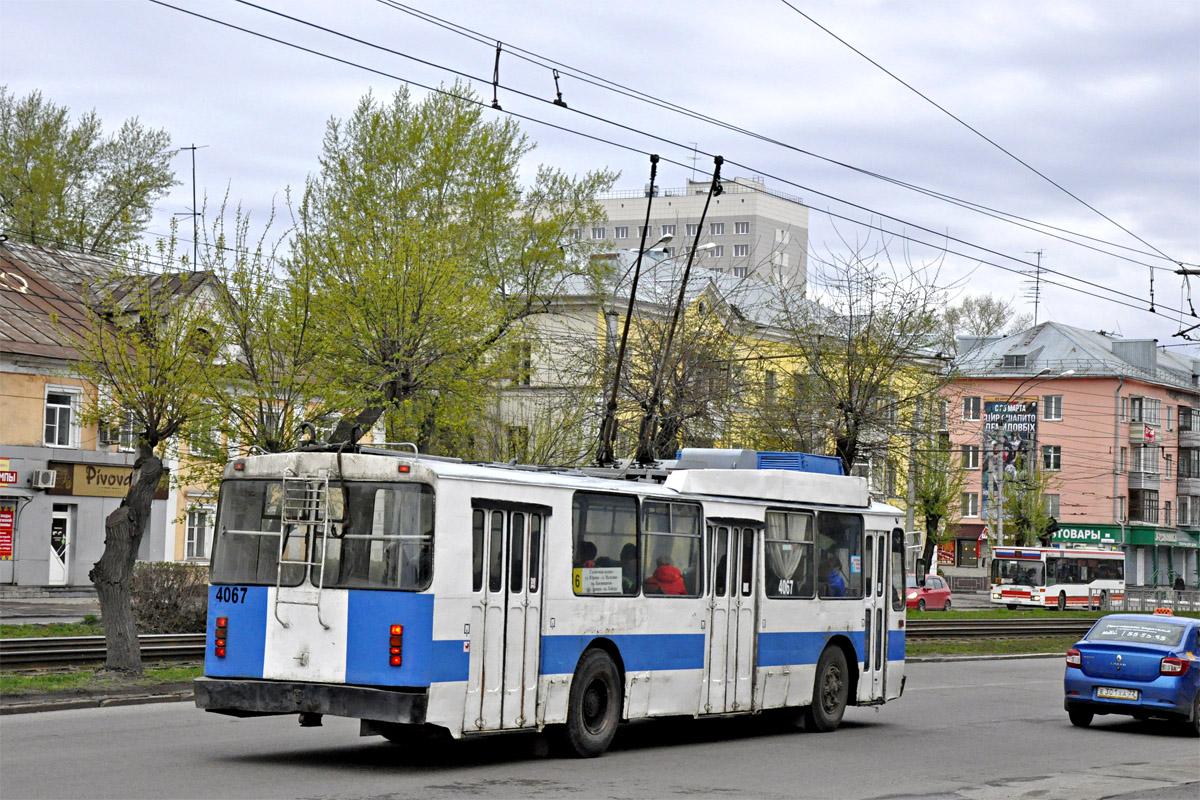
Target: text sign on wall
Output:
[(8, 477), (98, 480), (7, 518)]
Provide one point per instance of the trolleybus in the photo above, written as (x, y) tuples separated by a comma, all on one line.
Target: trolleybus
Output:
[(1052, 577), (415, 593)]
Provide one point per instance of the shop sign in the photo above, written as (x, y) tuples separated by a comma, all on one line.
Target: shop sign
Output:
[(7, 519), (1087, 534), (8, 477), (98, 480), (945, 556)]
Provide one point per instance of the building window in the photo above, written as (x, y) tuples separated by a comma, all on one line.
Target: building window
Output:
[(669, 251), (1167, 466), (1183, 510), (943, 414), (692, 228), (645, 230), (741, 227), (1124, 409), (1143, 505), (966, 553), (741, 250), (1185, 418), (62, 418), (1052, 457), (1052, 505), (970, 504), (621, 232), (199, 531), (717, 229), (1123, 460), (970, 456), (716, 252), (523, 364), (1168, 411), (1145, 409), (781, 260), (1014, 360), (576, 233), (518, 442), (597, 233), (971, 407), (1145, 459), (1166, 512), (770, 383), (1121, 509), (668, 230), (1189, 462), (739, 272), (121, 432), (783, 237), (1052, 407)]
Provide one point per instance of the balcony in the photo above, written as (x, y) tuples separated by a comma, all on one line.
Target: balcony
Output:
[(1189, 438), (1145, 480), (1144, 433), (1187, 486)]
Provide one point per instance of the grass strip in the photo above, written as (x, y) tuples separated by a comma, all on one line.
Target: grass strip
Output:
[(89, 627), (94, 679)]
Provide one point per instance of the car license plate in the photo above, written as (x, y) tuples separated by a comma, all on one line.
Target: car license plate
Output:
[(1114, 693)]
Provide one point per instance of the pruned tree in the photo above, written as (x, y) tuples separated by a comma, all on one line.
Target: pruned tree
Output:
[(147, 349), (862, 346), (1026, 514), (69, 186), (424, 251)]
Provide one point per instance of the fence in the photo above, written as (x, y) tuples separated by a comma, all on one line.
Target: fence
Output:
[(1145, 599)]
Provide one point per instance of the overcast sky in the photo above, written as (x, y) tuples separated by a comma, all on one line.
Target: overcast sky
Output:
[(1101, 97)]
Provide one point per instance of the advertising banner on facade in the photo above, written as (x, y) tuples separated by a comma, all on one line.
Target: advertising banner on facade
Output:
[(1009, 444), (8, 515)]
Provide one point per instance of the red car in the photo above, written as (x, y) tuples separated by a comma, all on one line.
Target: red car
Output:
[(934, 594)]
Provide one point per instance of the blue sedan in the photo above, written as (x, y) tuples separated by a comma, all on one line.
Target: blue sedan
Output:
[(1139, 665)]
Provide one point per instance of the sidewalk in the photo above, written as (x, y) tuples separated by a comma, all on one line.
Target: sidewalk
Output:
[(44, 610)]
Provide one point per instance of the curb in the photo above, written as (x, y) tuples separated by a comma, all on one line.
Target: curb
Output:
[(1005, 657)]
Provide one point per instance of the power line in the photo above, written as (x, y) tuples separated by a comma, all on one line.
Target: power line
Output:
[(630, 148), (618, 88), (929, 100)]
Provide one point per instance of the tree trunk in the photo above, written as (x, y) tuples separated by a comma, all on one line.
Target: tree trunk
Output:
[(112, 575)]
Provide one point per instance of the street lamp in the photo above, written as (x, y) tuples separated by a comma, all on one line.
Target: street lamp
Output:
[(998, 475)]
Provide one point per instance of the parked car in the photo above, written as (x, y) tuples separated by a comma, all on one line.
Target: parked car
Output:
[(934, 594), (1141, 665)]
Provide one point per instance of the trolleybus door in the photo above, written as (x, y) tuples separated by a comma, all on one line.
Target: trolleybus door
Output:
[(730, 672), (505, 620), (875, 616)]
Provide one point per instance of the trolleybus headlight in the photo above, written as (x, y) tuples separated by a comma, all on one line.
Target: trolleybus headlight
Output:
[(396, 645)]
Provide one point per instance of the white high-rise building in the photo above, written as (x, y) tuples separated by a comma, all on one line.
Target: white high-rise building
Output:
[(756, 231)]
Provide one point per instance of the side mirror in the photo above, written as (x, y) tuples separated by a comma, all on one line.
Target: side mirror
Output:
[(921, 570)]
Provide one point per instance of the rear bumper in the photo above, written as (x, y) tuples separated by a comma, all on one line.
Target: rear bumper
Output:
[(1163, 709), (239, 697)]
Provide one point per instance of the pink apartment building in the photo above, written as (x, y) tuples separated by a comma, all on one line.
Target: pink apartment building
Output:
[(1114, 420)]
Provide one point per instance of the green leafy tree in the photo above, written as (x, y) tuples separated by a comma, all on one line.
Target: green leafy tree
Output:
[(147, 349), (1026, 515), (67, 185), (938, 490), (424, 252)]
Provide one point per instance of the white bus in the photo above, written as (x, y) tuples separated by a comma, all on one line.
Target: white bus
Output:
[(1053, 577), (415, 593)]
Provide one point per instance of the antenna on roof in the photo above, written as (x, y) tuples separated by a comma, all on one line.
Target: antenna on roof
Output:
[(195, 212)]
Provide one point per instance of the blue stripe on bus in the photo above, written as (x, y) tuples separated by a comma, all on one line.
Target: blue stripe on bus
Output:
[(640, 652), (246, 642), (895, 645), (800, 647), (370, 617)]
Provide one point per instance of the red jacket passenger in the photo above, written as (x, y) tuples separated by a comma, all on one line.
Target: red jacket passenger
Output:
[(666, 579)]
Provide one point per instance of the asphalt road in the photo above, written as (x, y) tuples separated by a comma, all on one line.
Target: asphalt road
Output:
[(969, 730)]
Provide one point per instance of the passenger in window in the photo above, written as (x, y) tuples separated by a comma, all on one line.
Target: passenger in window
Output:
[(833, 579), (667, 579), (587, 555), (629, 568)]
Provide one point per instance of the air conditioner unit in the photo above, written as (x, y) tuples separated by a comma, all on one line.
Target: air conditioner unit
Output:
[(44, 478)]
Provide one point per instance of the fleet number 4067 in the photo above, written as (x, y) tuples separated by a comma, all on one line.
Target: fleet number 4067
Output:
[(231, 594)]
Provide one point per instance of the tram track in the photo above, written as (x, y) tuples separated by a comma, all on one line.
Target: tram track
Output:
[(49, 652)]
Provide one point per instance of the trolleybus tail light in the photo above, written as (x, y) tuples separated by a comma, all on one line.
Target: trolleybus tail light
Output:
[(405, 468), (221, 635), (396, 645), (1173, 666), (1074, 658), (239, 465)]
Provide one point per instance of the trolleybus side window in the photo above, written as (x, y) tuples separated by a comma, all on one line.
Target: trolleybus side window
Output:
[(478, 517), (839, 555), (535, 551), (604, 527), (789, 549), (898, 569), (720, 560), (384, 539), (496, 556), (671, 548), (516, 552)]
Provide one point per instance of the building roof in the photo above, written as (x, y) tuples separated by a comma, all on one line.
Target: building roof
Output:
[(43, 291), (1056, 348)]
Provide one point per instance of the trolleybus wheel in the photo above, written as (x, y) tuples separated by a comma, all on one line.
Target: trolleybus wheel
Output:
[(1062, 601), (594, 708), (830, 691), (1011, 606), (1080, 718)]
